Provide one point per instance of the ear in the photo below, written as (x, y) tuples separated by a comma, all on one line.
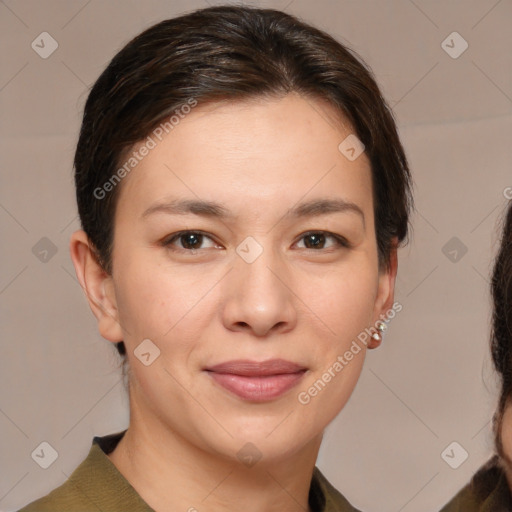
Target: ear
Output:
[(386, 290), (97, 285)]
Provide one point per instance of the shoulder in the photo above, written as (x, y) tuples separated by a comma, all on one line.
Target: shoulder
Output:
[(96, 484), (78, 491), (486, 492), (326, 497), (62, 499)]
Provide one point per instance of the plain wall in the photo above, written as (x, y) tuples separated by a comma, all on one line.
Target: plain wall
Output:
[(430, 383)]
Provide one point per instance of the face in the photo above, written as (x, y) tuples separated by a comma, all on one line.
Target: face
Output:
[(283, 266)]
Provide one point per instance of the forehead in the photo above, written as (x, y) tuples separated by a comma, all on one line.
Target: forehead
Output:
[(252, 152)]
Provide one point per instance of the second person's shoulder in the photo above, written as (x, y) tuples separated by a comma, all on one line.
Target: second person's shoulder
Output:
[(487, 491)]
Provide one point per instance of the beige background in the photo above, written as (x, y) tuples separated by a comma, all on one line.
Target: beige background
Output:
[(430, 384)]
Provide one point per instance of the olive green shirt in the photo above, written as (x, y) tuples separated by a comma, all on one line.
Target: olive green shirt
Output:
[(97, 485), (487, 491)]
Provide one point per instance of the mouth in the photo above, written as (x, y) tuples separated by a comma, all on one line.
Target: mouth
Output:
[(257, 381)]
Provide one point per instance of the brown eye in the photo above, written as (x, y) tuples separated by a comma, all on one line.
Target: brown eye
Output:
[(187, 241), (191, 240), (317, 239)]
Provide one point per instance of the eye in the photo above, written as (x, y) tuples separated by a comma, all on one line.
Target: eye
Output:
[(189, 240), (316, 240)]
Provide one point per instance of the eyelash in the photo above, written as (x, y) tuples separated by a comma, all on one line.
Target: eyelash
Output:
[(341, 241)]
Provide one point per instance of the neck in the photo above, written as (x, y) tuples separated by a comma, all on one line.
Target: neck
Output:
[(171, 473)]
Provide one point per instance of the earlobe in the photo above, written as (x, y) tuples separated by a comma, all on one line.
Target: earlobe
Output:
[(96, 284), (385, 296)]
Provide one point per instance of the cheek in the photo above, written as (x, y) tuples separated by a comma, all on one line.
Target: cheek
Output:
[(326, 392), (154, 303), (345, 300)]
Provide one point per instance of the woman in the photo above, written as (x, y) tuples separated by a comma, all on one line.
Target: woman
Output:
[(242, 192), (490, 488)]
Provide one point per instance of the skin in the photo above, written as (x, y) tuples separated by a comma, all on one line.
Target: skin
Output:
[(506, 437), (296, 301)]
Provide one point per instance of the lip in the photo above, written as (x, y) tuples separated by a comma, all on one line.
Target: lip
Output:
[(257, 381)]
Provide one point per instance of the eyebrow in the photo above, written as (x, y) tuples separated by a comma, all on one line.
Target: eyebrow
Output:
[(313, 208)]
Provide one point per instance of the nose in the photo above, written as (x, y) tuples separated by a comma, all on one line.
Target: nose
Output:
[(259, 296)]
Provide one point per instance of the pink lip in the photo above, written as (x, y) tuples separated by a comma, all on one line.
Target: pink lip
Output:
[(257, 381)]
